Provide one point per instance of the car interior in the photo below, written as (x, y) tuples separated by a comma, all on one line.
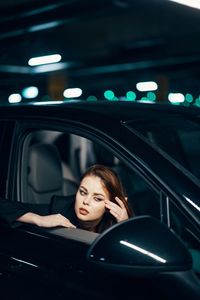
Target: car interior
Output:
[(53, 163)]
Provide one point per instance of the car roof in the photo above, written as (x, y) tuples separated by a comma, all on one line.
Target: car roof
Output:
[(94, 114), (126, 110)]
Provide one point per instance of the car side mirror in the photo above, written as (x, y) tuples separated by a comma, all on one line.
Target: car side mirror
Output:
[(140, 245)]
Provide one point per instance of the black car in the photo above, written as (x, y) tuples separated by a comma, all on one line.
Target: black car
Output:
[(155, 149)]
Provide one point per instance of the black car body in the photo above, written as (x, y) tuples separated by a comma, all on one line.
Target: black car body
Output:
[(155, 150)]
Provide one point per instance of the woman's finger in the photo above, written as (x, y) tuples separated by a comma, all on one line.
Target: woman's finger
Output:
[(114, 209), (120, 202), (117, 210), (111, 205), (67, 223), (114, 213)]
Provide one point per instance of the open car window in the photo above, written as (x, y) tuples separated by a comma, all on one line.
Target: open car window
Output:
[(54, 162)]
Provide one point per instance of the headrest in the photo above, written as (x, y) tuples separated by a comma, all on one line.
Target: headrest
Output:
[(45, 172)]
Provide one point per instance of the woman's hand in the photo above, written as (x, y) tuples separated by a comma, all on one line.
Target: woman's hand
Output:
[(118, 211), (55, 220), (46, 221)]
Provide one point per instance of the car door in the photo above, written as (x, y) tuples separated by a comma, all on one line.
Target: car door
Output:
[(29, 256), (60, 261)]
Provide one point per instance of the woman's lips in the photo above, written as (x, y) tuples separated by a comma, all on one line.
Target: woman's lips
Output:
[(83, 211)]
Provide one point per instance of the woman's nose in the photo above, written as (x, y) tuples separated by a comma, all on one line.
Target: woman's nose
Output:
[(86, 200)]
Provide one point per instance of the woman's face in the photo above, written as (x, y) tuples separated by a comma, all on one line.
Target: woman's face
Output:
[(90, 197)]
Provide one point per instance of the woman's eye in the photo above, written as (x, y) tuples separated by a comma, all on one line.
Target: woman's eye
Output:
[(83, 193), (98, 199)]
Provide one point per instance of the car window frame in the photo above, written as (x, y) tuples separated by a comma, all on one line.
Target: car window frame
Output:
[(26, 126), (7, 129)]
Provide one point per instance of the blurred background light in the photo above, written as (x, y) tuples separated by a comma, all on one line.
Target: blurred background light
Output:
[(47, 102), (131, 96), (72, 93), (146, 86), (92, 98), (191, 3), (109, 95), (114, 99), (145, 100), (189, 98), (50, 67), (197, 102), (151, 96), (30, 92), (118, 58), (41, 60), (14, 98), (176, 97), (44, 26)]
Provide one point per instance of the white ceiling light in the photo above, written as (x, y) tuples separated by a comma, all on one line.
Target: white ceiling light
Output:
[(176, 97), (191, 3), (43, 60), (72, 93), (146, 86), (14, 98)]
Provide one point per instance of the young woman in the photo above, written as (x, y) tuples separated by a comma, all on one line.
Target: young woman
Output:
[(99, 203)]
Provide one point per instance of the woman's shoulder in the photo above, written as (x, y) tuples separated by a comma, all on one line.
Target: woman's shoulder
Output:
[(60, 203)]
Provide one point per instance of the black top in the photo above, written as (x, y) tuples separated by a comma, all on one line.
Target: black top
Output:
[(10, 211)]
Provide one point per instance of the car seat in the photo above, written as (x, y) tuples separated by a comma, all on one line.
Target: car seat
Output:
[(45, 177)]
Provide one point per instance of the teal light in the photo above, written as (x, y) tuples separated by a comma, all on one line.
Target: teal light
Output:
[(175, 103), (151, 96), (197, 102), (189, 98), (92, 98), (131, 96), (185, 103), (109, 95), (115, 99)]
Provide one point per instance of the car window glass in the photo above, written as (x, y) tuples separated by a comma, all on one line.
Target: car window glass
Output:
[(178, 137), (57, 160)]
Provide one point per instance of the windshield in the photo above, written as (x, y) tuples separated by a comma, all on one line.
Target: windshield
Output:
[(177, 136)]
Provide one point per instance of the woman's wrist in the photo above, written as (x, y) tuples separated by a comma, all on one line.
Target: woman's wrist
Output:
[(48, 221), (38, 220)]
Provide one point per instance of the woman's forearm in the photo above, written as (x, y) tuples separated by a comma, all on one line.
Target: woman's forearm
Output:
[(47, 221), (31, 218)]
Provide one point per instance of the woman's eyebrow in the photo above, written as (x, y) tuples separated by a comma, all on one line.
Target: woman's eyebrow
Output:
[(81, 186)]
